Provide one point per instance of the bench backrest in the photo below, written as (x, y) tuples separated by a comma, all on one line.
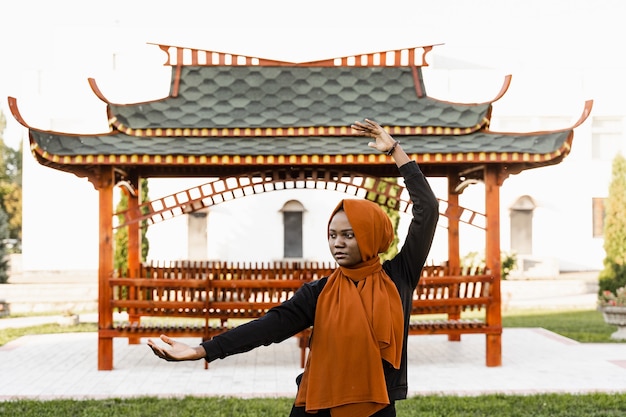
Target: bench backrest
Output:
[(160, 297), (221, 291), (210, 289), (452, 294), (249, 298)]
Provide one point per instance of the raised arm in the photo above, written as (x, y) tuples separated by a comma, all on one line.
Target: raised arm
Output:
[(411, 258)]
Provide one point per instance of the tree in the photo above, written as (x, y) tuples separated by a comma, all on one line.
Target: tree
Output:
[(386, 204), (4, 260), (10, 201), (11, 184), (120, 262), (613, 275)]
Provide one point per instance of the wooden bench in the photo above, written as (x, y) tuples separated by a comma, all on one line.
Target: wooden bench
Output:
[(202, 299), (237, 300), (454, 305), (206, 299)]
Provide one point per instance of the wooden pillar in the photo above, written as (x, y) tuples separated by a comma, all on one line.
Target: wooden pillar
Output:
[(134, 250), (492, 258), (454, 251), (134, 238), (104, 185)]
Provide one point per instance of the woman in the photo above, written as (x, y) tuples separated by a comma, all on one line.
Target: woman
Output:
[(360, 314)]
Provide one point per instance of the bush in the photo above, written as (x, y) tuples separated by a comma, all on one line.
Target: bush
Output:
[(613, 276), (4, 259), (474, 261)]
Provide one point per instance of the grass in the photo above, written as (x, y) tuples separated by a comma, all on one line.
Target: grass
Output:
[(6, 335), (548, 405), (585, 326)]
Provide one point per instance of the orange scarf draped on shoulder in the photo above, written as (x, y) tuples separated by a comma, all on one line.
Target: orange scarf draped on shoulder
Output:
[(356, 326)]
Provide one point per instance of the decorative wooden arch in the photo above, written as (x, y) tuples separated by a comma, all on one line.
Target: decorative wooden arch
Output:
[(238, 117), (220, 190)]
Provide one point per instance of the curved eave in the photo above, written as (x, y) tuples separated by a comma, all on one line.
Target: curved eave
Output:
[(503, 89), (80, 154), (96, 90), (62, 149)]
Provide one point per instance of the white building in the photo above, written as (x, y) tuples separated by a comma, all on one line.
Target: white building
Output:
[(548, 91)]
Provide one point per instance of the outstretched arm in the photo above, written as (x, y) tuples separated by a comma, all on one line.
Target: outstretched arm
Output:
[(413, 253), (178, 351), (383, 141)]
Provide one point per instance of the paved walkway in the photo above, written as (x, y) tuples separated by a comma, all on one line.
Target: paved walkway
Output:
[(534, 361)]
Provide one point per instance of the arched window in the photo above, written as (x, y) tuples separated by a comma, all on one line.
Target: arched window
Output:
[(197, 235), (292, 229), (522, 225)]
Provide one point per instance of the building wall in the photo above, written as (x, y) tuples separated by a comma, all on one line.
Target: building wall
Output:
[(61, 218)]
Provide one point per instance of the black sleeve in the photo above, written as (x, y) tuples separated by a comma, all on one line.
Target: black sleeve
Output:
[(410, 260), (278, 324)]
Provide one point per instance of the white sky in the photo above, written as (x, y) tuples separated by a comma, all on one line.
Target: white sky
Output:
[(66, 41)]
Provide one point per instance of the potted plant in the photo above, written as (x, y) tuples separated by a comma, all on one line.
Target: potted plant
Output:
[(69, 318), (613, 308)]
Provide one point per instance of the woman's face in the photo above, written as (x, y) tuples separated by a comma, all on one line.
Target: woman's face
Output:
[(342, 242)]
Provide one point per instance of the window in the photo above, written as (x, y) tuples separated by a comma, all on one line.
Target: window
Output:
[(197, 245), (522, 225), (292, 229), (607, 137), (598, 216)]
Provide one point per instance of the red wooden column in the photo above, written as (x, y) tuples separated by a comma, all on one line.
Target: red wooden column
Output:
[(454, 251), (104, 185), (134, 250), (492, 258), (134, 239)]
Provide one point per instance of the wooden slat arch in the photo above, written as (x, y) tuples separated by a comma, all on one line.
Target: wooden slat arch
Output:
[(220, 190)]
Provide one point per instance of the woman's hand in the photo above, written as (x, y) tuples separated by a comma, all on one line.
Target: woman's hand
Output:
[(383, 140), (178, 351)]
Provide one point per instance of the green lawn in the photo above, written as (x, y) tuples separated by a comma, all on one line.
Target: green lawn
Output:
[(548, 405), (586, 326)]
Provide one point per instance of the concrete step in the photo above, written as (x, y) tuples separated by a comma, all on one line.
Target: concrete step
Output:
[(41, 298)]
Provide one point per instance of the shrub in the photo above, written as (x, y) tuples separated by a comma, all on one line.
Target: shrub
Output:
[(613, 276)]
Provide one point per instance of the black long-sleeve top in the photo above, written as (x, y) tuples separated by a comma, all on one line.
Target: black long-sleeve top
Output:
[(298, 313)]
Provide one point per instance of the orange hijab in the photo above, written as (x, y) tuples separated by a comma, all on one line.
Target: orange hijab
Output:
[(356, 326)]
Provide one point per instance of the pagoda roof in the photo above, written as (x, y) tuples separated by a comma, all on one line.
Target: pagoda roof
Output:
[(228, 114), (218, 101)]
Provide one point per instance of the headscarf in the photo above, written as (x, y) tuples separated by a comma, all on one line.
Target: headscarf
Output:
[(356, 327)]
